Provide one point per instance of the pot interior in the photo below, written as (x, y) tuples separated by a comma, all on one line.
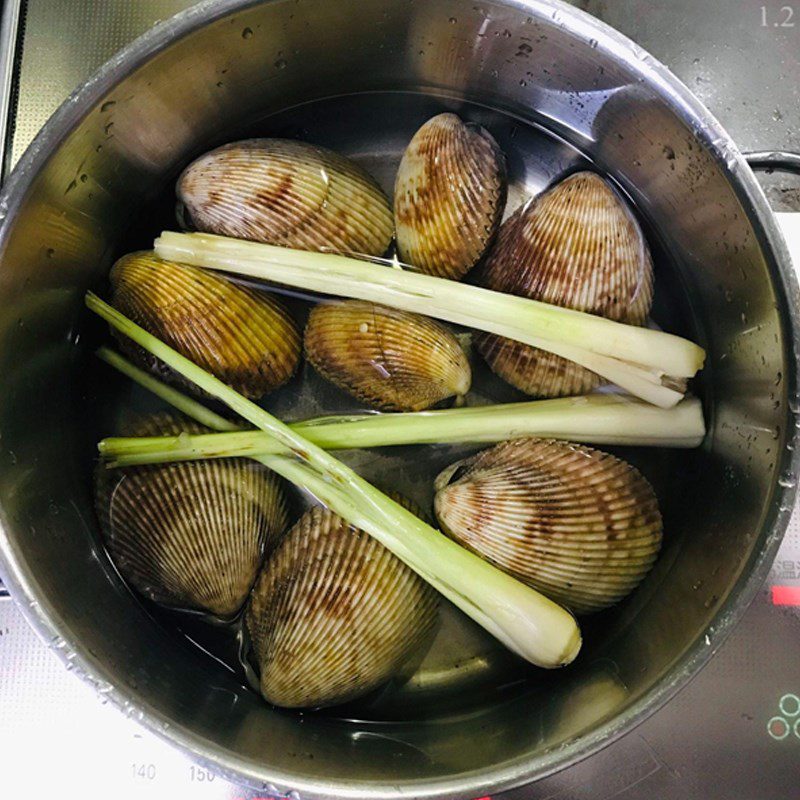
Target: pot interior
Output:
[(361, 80)]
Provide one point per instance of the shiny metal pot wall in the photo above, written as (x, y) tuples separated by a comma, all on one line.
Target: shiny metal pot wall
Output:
[(192, 81)]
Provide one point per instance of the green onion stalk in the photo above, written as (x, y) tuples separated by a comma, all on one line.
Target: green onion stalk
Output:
[(524, 620), (593, 419), (647, 363)]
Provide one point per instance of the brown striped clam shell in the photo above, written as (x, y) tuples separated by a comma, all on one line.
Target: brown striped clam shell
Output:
[(390, 359), (578, 246), (190, 535), (244, 337), (334, 614), (449, 196), (579, 525), (287, 193)]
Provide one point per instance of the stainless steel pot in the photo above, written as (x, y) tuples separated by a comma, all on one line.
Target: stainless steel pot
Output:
[(218, 68)]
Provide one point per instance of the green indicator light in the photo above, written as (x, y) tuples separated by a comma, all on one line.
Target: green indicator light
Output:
[(790, 705), (778, 728)]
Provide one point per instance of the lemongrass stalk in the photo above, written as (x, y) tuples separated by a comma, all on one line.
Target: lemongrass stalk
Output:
[(189, 406), (595, 419), (524, 620), (637, 359), (295, 471), (544, 633), (320, 271)]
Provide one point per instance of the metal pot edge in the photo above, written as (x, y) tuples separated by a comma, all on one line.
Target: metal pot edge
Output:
[(50, 627)]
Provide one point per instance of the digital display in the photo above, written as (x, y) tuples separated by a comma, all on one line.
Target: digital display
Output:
[(786, 595)]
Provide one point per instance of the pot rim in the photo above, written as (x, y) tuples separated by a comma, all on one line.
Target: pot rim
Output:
[(50, 625)]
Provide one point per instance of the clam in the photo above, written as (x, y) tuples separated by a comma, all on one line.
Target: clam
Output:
[(449, 196), (334, 614), (579, 525), (192, 534), (390, 359), (286, 193), (577, 246), (245, 337)]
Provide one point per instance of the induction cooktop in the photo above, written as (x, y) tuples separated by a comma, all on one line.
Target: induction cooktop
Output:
[(734, 732)]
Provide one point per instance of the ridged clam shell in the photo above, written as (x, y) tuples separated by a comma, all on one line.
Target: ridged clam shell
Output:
[(390, 359), (191, 534), (334, 614), (577, 246), (245, 337), (449, 196), (286, 193), (579, 525)]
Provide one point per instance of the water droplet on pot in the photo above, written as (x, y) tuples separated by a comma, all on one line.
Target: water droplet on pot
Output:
[(280, 63), (247, 33)]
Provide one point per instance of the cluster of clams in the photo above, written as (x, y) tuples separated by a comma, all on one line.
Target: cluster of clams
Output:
[(331, 614)]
